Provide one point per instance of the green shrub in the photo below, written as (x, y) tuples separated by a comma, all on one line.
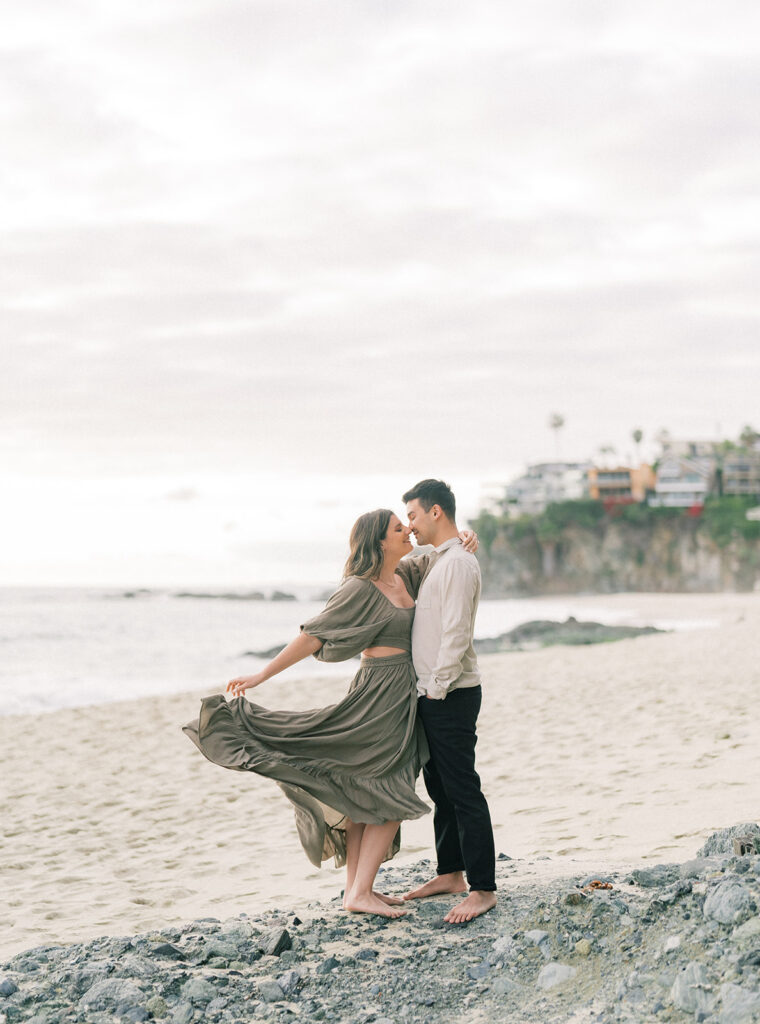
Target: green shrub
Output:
[(725, 518)]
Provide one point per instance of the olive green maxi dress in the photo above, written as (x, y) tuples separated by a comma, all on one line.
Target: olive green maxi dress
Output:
[(358, 758)]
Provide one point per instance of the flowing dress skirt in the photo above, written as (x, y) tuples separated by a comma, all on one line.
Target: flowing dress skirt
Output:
[(356, 759)]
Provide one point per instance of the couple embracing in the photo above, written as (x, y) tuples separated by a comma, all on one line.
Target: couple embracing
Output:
[(350, 769)]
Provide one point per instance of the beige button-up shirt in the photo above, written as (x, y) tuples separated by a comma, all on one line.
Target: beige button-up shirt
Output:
[(442, 652)]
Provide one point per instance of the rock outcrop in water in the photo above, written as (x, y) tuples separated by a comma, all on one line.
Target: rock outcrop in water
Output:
[(543, 633), (670, 942)]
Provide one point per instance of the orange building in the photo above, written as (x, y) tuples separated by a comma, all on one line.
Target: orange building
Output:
[(620, 483)]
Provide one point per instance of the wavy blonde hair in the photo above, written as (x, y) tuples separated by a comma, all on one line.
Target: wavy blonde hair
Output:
[(365, 558)]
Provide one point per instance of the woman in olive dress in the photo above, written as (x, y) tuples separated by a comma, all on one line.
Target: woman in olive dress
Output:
[(349, 769)]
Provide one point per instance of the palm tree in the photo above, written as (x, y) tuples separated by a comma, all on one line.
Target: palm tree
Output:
[(556, 423), (637, 436), (606, 450)]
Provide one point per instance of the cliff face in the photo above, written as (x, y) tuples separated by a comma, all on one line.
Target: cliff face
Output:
[(670, 555)]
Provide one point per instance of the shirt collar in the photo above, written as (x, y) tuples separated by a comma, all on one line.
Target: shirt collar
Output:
[(447, 544)]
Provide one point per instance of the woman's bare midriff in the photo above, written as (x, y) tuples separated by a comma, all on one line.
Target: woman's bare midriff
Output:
[(382, 652)]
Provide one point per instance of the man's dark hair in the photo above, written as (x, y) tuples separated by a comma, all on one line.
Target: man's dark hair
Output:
[(433, 492)]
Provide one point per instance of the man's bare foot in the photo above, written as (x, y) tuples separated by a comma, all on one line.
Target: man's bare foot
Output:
[(479, 901), (370, 905), (451, 883)]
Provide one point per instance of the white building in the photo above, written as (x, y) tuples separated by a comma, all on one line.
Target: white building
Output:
[(683, 482), (543, 483)]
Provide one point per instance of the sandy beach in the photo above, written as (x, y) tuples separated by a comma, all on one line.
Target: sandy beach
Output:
[(113, 823)]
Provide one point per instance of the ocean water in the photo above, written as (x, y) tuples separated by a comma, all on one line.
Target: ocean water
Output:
[(69, 647)]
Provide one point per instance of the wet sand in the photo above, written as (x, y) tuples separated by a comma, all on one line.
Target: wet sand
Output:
[(112, 822)]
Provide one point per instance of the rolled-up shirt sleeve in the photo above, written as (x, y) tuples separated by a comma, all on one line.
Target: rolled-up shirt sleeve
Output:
[(459, 587)]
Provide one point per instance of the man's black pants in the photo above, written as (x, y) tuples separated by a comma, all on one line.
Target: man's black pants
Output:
[(463, 832)]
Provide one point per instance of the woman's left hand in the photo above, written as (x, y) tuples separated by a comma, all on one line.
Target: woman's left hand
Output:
[(469, 540)]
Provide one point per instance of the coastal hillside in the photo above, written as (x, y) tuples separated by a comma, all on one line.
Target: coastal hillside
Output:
[(583, 546)]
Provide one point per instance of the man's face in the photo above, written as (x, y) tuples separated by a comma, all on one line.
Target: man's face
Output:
[(422, 523)]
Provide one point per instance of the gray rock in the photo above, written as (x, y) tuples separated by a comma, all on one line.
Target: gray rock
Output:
[(270, 992), (7, 987), (289, 981), (196, 990), (217, 949), (740, 1006), (674, 892), (479, 971), (729, 902), (167, 951), (660, 874), (697, 868), (575, 898), (555, 974), (133, 1014), (135, 967), (691, 989), (749, 930), (536, 936), (328, 965), (275, 942), (110, 993), (505, 948), (723, 841), (237, 931), (156, 1007), (366, 954), (505, 986), (183, 1013)]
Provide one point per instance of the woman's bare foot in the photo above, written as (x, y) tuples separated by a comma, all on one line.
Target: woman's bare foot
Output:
[(451, 883), (370, 904), (389, 901), (479, 901)]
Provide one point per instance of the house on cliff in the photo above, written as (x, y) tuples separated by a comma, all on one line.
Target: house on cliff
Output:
[(683, 482), (543, 483), (740, 474), (620, 483)]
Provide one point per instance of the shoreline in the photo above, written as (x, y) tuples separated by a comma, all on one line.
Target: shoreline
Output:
[(596, 757), (152, 655)]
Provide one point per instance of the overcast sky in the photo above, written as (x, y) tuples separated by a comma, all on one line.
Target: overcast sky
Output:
[(266, 264)]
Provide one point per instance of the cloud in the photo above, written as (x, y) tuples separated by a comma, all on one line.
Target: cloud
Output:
[(278, 234), (183, 494)]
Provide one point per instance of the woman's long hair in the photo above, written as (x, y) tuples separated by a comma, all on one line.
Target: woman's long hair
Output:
[(365, 557)]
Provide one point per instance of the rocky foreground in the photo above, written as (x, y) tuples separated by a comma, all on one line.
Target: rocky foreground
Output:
[(670, 942)]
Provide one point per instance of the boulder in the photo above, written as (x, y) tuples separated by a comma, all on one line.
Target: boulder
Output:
[(740, 1006), (723, 840), (691, 990), (111, 992), (729, 902)]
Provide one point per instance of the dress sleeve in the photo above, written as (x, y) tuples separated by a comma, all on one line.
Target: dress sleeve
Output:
[(349, 622), (412, 571)]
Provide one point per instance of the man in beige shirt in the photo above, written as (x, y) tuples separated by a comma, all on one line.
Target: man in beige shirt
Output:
[(449, 702)]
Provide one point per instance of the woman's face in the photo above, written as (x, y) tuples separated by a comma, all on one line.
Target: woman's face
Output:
[(396, 541)]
